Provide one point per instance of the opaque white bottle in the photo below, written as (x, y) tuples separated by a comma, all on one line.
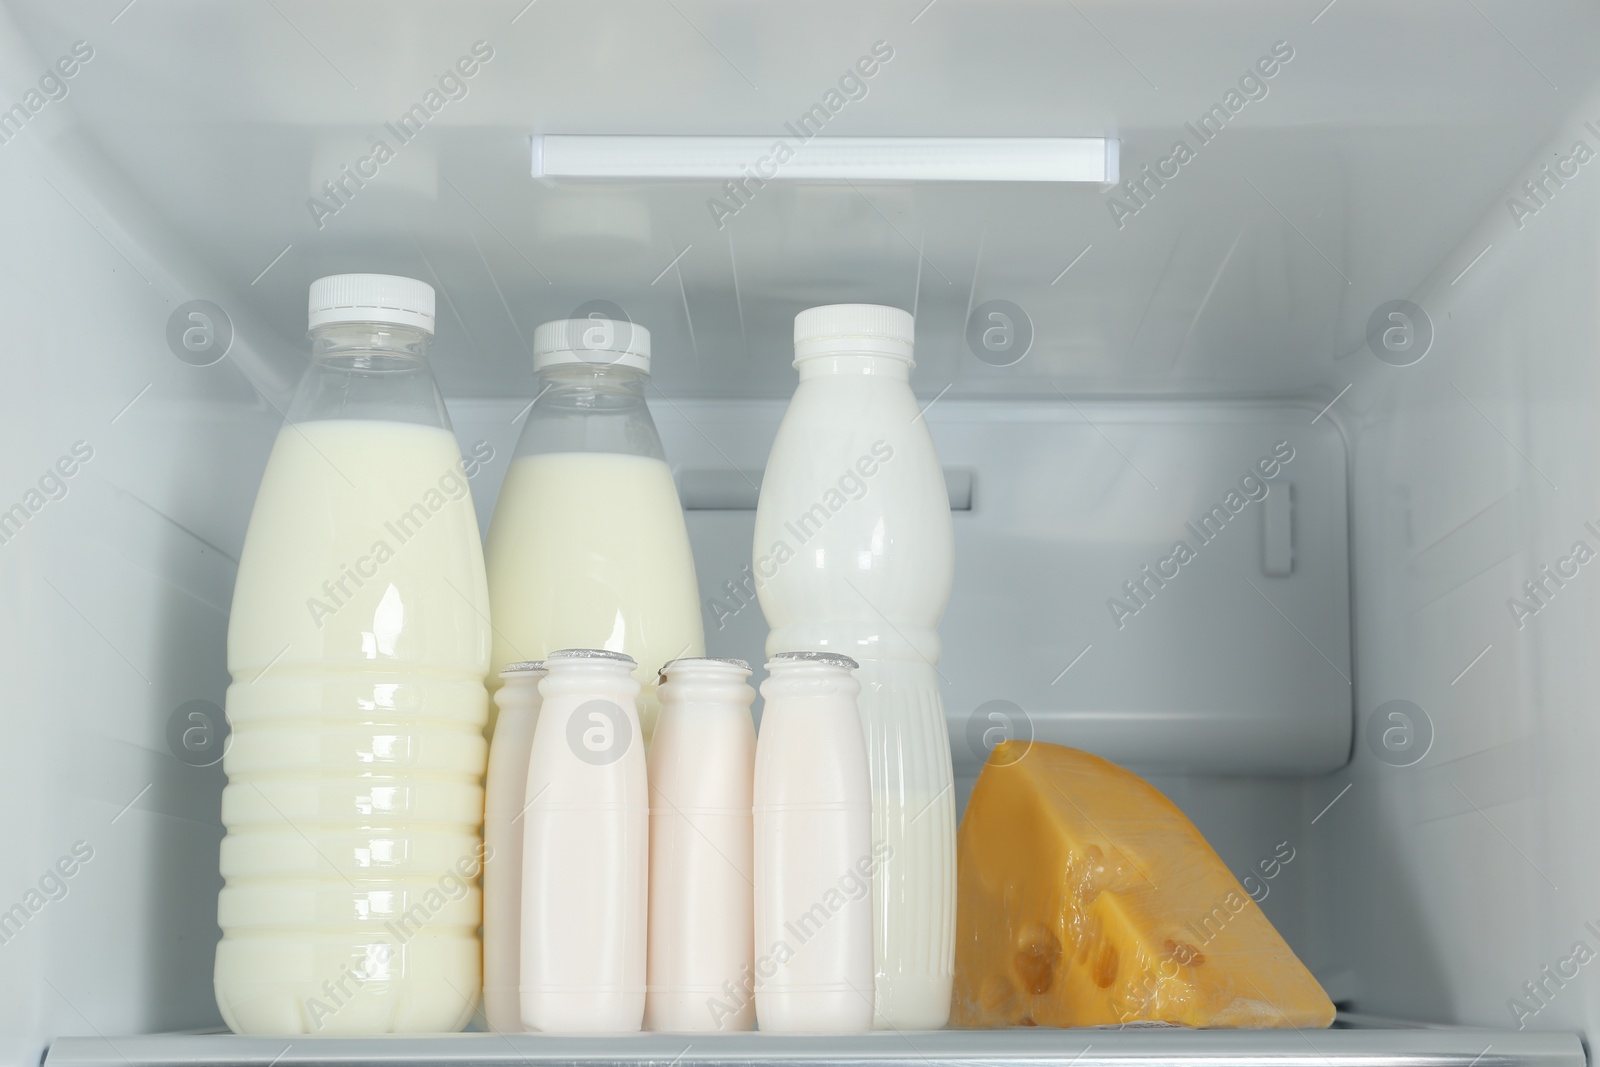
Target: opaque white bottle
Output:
[(702, 765), (854, 553), (585, 863), (358, 639), (505, 788), (814, 857)]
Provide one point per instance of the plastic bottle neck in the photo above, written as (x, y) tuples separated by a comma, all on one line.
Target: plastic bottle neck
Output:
[(590, 407), (370, 346), (706, 681), (808, 679), (854, 364), (528, 680), (612, 677), (371, 371), (600, 379)]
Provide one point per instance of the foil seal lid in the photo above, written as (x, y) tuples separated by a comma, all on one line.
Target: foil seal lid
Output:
[(602, 654), (526, 666), (833, 659), (714, 660)]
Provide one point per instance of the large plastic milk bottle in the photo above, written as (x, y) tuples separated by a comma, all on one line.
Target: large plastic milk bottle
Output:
[(357, 642), (588, 547), (854, 554)]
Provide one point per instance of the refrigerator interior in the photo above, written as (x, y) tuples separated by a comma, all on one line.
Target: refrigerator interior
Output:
[(1428, 160)]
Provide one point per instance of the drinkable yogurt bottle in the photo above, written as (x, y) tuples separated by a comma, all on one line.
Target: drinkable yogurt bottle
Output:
[(854, 553), (505, 789), (357, 641), (586, 838), (702, 764), (814, 857)]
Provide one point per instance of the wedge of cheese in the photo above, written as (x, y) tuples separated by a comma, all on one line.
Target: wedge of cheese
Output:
[(1086, 898)]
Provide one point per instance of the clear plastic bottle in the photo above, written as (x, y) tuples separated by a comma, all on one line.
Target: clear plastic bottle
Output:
[(854, 553), (357, 642), (505, 789), (588, 546), (586, 842), (702, 767)]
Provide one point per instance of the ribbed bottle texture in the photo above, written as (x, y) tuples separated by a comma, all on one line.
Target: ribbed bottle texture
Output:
[(914, 819), (357, 643)]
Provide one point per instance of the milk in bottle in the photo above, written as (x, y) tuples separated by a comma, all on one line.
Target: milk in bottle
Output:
[(854, 554), (588, 546), (357, 642)]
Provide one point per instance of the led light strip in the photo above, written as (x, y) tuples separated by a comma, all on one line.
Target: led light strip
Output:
[(793, 157)]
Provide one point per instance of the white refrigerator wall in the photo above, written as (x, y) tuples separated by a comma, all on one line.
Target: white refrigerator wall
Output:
[(135, 472), (117, 580), (1441, 888)]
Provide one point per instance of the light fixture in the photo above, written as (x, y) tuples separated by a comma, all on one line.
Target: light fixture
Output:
[(793, 157)]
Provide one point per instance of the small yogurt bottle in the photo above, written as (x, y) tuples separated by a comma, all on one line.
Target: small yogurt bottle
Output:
[(585, 846), (504, 796), (813, 850), (702, 765)]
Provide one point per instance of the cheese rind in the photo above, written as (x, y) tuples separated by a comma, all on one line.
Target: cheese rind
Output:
[(1086, 898)]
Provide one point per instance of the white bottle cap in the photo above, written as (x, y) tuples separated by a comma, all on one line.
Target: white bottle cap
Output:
[(853, 329), (385, 298), (613, 342)]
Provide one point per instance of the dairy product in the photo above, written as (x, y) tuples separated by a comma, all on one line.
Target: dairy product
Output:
[(357, 643), (1089, 899), (854, 553), (702, 763), (589, 549), (585, 850), (814, 855), (505, 788)]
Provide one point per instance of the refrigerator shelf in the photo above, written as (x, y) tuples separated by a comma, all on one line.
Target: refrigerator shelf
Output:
[(1362, 1046)]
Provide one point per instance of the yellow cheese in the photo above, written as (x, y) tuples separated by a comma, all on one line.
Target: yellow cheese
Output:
[(1086, 898)]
